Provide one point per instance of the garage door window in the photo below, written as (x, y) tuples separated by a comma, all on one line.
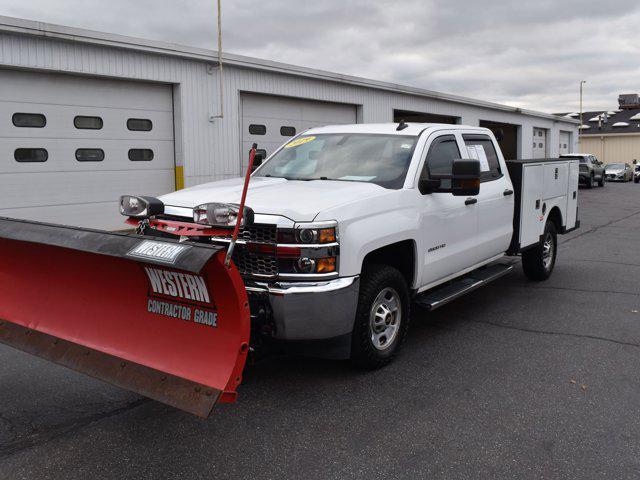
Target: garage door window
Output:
[(27, 155), (287, 131), (89, 155), (140, 154), (87, 123), (33, 120), (489, 151), (257, 129), (139, 124)]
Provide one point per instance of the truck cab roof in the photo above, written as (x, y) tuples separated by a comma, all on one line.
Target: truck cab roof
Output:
[(412, 129)]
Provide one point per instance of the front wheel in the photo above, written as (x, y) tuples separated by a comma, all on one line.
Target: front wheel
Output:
[(636, 180), (601, 181), (590, 181), (382, 317), (538, 262)]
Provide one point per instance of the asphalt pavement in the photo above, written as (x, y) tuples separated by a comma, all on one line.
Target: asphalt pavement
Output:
[(516, 380)]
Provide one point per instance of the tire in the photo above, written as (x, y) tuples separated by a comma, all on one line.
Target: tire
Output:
[(374, 341), (601, 181), (538, 262), (590, 182), (636, 180)]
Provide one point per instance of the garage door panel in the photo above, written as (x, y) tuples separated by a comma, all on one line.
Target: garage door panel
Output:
[(60, 122), (63, 189), (62, 155), (57, 89), (73, 188), (565, 142), (275, 112)]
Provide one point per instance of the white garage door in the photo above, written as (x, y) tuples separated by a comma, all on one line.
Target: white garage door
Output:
[(72, 145), (565, 142), (539, 143), (269, 120)]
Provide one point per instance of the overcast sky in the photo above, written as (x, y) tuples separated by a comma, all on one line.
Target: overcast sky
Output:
[(530, 54)]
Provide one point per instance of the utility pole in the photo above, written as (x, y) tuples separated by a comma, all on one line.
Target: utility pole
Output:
[(582, 82)]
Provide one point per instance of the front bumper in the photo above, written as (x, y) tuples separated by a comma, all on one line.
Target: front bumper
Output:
[(306, 310)]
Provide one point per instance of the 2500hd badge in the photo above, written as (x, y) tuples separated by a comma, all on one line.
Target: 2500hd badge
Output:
[(195, 303)]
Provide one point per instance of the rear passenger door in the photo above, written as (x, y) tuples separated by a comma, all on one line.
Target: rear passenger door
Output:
[(496, 198)]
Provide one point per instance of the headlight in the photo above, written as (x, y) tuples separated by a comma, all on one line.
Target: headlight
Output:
[(140, 207), (317, 235), (221, 215)]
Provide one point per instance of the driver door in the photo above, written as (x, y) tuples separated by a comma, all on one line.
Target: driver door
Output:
[(448, 224)]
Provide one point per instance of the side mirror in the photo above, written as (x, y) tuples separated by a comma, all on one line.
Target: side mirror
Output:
[(429, 185), (465, 177)]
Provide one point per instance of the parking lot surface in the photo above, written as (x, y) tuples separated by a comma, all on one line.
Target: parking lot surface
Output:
[(516, 380)]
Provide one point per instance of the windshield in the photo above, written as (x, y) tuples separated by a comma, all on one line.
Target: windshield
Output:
[(380, 159), (615, 166)]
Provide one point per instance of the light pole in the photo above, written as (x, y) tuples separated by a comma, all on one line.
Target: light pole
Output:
[(582, 82)]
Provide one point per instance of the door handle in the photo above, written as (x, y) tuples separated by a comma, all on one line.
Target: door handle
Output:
[(507, 192), (470, 201)]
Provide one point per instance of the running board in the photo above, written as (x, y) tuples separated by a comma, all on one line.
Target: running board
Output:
[(440, 296)]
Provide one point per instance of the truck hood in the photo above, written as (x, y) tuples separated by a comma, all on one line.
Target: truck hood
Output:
[(298, 200)]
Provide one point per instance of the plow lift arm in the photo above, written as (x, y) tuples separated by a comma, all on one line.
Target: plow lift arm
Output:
[(166, 319)]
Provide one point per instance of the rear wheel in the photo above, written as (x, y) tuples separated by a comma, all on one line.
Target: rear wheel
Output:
[(590, 181), (538, 262), (382, 317)]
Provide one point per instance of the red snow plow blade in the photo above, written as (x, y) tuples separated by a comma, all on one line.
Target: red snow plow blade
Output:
[(164, 319)]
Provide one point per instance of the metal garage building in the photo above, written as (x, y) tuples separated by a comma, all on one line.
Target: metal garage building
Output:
[(87, 116)]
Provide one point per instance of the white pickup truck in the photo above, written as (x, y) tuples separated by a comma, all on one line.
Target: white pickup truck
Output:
[(354, 223)]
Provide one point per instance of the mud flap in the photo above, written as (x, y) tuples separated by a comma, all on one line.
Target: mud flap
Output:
[(164, 319)]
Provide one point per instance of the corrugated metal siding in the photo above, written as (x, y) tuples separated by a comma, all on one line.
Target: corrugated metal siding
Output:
[(211, 150), (612, 149)]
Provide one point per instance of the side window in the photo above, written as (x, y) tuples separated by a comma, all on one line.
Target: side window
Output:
[(33, 120), (287, 131), (87, 123), (139, 124), (255, 129), (442, 152), (484, 142)]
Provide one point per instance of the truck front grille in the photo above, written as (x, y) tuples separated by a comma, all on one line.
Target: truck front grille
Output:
[(257, 234), (249, 263)]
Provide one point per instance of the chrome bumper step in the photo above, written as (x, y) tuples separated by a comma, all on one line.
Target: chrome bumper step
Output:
[(440, 296)]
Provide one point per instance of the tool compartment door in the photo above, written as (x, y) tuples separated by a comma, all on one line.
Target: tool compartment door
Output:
[(555, 180), (572, 197), (531, 204)]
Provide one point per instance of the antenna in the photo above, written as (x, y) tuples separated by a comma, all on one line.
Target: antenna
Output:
[(401, 125)]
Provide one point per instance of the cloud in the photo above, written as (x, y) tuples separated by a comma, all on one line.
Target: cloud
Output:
[(527, 54)]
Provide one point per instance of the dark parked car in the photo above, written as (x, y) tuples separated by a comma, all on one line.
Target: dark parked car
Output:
[(591, 169), (619, 172)]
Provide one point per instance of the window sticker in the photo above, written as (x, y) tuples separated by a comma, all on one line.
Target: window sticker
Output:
[(299, 141), (477, 152)]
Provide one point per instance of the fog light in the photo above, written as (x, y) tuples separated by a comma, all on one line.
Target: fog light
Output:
[(140, 207), (306, 265), (221, 215)]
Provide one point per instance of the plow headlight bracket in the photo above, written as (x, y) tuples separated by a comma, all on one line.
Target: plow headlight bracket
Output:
[(140, 207), (221, 215)]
